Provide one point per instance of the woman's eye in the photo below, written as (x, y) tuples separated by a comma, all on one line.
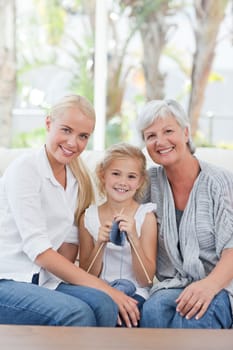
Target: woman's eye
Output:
[(169, 131), (150, 137), (115, 173), (84, 137), (66, 130)]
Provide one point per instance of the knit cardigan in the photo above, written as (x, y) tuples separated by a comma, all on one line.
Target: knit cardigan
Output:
[(206, 226)]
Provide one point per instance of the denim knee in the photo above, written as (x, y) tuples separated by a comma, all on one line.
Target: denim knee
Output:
[(103, 307), (159, 311), (28, 304), (124, 285), (217, 316)]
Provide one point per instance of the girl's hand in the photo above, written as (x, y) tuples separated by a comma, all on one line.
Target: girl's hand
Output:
[(195, 299), (104, 231), (128, 225)]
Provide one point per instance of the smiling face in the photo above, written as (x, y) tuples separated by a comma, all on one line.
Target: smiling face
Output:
[(122, 178), (67, 135), (166, 141)]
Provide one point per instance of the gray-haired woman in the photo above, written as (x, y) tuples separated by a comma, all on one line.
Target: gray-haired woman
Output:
[(195, 217)]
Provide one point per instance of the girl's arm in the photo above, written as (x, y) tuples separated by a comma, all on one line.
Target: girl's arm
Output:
[(69, 251), (88, 250), (146, 246)]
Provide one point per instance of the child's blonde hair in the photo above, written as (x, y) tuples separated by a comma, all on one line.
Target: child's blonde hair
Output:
[(85, 187), (121, 151)]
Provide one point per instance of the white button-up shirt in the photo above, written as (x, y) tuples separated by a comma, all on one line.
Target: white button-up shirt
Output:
[(36, 214)]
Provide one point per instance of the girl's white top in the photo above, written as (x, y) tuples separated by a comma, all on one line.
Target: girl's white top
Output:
[(117, 260)]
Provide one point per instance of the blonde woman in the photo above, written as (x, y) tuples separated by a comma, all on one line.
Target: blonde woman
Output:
[(42, 196)]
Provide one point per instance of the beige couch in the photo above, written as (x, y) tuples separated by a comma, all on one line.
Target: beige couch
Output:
[(221, 157)]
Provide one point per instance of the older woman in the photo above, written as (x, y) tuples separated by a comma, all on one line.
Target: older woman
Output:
[(195, 218)]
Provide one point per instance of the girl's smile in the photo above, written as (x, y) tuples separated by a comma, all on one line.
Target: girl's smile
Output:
[(122, 178)]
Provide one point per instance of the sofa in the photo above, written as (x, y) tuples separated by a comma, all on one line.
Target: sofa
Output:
[(217, 156)]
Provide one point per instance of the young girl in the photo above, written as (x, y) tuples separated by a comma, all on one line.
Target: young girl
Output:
[(42, 195), (122, 178)]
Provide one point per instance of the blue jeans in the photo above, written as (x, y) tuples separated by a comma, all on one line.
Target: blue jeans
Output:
[(68, 305), (129, 289), (124, 286), (159, 311)]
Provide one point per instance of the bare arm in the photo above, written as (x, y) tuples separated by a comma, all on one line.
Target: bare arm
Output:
[(69, 251), (147, 249), (222, 274), (88, 250)]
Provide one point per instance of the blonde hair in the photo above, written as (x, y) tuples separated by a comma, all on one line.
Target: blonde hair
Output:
[(119, 151), (85, 188)]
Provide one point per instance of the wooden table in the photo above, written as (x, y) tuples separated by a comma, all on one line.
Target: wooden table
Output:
[(67, 338)]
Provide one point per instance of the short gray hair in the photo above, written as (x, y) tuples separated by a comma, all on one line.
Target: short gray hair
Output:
[(160, 109)]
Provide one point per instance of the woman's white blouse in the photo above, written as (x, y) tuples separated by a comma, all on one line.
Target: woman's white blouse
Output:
[(36, 214)]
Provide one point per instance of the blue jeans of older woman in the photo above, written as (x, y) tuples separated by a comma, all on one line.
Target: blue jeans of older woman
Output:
[(159, 311), (68, 305)]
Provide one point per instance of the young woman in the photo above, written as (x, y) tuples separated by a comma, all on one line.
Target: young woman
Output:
[(127, 261), (42, 196), (195, 237)]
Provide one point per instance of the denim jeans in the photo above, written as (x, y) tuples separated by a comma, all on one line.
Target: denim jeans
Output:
[(159, 311), (124, 285), (69, 305)]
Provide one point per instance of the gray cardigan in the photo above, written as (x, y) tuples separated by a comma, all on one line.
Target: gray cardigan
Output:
[(206, 226)]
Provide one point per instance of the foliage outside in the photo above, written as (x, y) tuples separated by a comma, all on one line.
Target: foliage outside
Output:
[(46, 38)]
